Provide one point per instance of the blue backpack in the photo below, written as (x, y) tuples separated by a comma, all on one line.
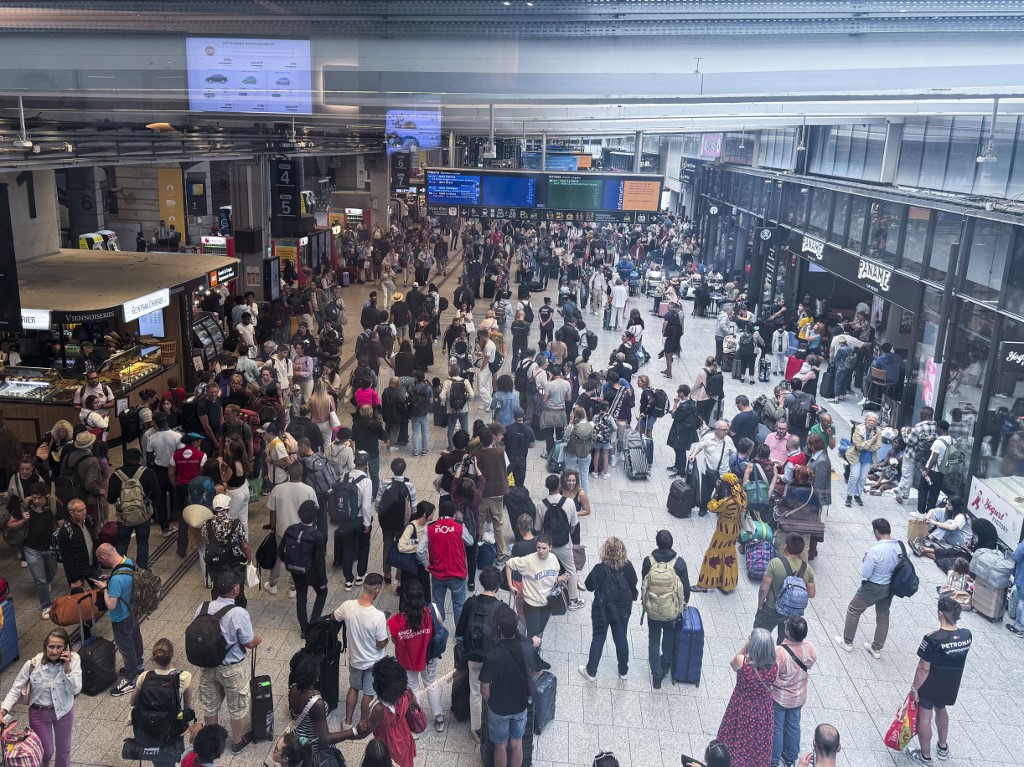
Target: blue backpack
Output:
[(792, 599)]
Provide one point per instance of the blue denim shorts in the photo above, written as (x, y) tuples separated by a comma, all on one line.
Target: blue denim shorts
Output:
[(501, 729), (603, 446)]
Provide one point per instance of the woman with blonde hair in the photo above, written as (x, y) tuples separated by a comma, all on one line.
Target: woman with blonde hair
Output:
[(169, 733), (322, 410), (489, 321), (719, 569), (707, 388), (613, 583)]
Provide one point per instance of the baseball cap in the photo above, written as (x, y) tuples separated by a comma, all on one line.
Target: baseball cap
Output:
[(518, 413), (222, 501)]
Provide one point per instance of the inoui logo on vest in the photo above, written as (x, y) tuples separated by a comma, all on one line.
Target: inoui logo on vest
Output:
[(814, 247), (874, 273)]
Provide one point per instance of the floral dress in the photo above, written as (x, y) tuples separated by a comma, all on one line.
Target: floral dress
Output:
[(719, 568), (748, 727)]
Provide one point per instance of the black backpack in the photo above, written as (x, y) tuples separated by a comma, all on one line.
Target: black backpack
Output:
[(616, 595), (131, 429), (458, 396), (659, 403), (346, 495), (521, 378), (419, 400), (157, 712), (297, 549), (481, 627), (205, 645), (746, 344), (904, 581), (391, 513), (715, 386), (801, 412), (528, 313), (556, 523), (221, 556)]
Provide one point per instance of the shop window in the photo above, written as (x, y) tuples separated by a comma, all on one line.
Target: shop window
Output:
[(746, 193), (916, 238), (986, 261), (1014, 293), (964, 147), (908, 171), (821, 207), (936, 152), (924, 372), (858, 223), (948, 230), (993, 177), (884, 233), (839, 218), (794, 206)]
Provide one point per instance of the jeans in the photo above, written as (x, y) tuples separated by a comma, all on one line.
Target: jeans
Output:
[(43, 568), (927, 498), (869, 593), (458, 588), (124, 537), (661, 646), (319, 600), (787, 733), (420, 433), (907, 470), (54, 734), (858, 473), (582, 465), (600, 633), (128, 639), (429, 678), (461, 420)]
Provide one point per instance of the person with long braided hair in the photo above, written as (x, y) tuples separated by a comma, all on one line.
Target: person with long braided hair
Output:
[(719, 569)]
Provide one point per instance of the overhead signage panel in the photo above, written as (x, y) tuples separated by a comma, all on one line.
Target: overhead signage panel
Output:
[(150, 302)]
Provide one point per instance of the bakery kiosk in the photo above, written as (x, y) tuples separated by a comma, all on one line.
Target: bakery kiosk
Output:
[(129, 316)]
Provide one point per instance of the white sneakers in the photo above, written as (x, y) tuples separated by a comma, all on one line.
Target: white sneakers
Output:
[(585, 675), (842, 643), (46, 614), (272, 590), (876, 654)]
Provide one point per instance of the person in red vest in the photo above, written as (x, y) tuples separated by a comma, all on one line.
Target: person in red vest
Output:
[(186, 464), (447, 560)]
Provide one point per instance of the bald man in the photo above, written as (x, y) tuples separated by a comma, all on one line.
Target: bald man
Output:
[(127, 636), (826, 747)]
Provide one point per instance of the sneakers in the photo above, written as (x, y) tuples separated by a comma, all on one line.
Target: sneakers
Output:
[(123, 688), (898, 495), (272, 590), (439, 723), (360, 579), (942, 752), (24, 563), (291, 593), (585, 675), (169, 531), (849, 500), (622, 677), (576, 604), (842, 643), (918, 756), (863, 401), (1012, 628), (348, 585), (606, 475), (46, 615), (237, 748), (876, 654), (857, 500)]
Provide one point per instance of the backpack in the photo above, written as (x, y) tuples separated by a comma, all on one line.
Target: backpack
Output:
[(69, 485), (132, 504), (393, 504), (346, 494), (954, 460), (267, 413), (801, 414), (616, 595), (157, 712), (715, 385), (457, 397), (442, 304), (556, 522), (522, 375), (923, 448), (146, 588), (419, 400), (318, 474), (297, 549), (904, 581), (746, 344), (205, 645), (528, 313), (481, 628), (659, 403), (266, 554), (661, 593), (131, 429), (220, 556), (791, 601), (581, 440), (603, 428)]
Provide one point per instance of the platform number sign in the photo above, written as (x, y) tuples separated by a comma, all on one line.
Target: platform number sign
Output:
[(284, 178)]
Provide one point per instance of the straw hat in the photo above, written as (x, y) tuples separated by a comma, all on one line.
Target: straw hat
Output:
[(85, 440), (397, 296), (196, 515)]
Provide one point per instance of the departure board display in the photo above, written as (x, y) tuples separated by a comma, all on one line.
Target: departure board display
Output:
[(536, 196)]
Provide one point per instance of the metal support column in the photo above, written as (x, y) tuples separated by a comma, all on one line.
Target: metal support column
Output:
[(544, 150), (451, 149), (638, 150)]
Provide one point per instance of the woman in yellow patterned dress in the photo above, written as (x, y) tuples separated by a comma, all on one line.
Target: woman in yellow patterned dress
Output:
[(719, 569)]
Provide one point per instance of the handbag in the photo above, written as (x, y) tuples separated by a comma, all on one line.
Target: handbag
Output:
[(558, 601), (64, 611), (784, 507), (21, 746), (757, 489), (904, 725), (403, 560), (414, 715), (335, 421), (252, 576), (439, 641)]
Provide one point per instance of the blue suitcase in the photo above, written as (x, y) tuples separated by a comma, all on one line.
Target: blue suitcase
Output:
[(689, 655), (8, 636), (545, 692)]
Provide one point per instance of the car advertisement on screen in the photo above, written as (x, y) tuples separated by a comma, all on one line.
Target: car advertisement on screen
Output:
[(249, 75), (410, 130)]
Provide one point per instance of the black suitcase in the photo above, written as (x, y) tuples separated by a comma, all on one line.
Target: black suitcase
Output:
[(487, 748), (545, 693), (764, 369), (826, 389), (337, 546), (262, 694), (323, 642), (98, 657), (460, 686), (488, 288), (440, 412), (681, 499), (736, 369)]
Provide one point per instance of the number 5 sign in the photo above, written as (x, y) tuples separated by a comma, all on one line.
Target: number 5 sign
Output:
[(284, 188)]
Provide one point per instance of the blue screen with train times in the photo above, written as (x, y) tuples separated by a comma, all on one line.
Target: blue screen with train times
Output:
[(526, 196)]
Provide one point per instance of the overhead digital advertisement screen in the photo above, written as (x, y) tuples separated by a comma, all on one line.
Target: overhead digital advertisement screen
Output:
[(248, 75), (563, 196), (410, 130)]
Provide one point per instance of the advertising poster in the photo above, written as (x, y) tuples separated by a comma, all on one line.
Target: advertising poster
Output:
[(170, 186), (988, 501)]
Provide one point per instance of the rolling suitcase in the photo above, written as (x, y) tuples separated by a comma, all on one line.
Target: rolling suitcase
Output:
[(545, 693), (99, 660), (756, 556), (689, 654), (460, 686), (988, 601), (345, 278), (322, 641), (9, 651), (487, 747), (338, 545), (826, 389), (764, 369), (736, 367), (681, 499), (262, 694), (638, 454), (556, 459)]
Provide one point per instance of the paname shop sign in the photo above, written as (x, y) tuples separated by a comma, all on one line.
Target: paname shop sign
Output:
[(871, 272)]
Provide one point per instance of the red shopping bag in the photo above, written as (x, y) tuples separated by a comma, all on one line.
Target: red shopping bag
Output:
[(904, 725)]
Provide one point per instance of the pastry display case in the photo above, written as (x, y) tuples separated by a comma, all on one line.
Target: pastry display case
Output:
[(124, 371), (29, 384)]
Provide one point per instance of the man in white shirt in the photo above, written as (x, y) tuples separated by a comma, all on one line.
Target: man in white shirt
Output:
[(878, 566), (160, 448), (718, 450), (485, 380), (555, 505), (367, 632), (245, 329), (283, 503), (355, 535), (7, 356), (620, 294), (278, 457)]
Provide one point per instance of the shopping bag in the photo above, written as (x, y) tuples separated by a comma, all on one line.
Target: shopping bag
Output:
[(904, 725)]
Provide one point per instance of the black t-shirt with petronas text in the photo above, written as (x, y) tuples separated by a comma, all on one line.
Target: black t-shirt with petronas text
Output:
[(946, 651)]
